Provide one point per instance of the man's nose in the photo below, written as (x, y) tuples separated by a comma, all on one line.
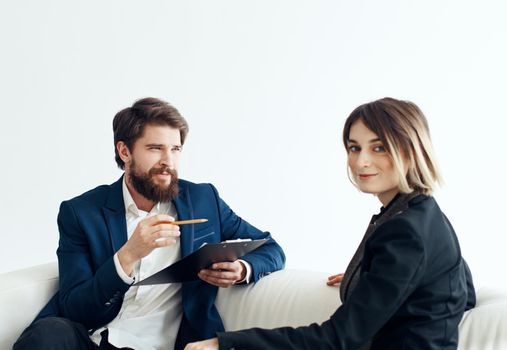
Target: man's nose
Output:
[(167, 160)]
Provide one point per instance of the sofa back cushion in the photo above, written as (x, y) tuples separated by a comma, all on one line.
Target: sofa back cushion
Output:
[(284, 298)]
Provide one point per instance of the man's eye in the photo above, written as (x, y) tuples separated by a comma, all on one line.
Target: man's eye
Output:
[(177, 149), (155, 148)]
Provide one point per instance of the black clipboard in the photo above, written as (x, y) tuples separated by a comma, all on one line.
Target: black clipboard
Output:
[(186, 269)]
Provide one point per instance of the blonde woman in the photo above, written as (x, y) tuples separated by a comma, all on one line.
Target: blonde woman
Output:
[(407, 285)]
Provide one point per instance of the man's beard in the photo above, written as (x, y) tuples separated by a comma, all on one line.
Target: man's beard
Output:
[(145, 186)]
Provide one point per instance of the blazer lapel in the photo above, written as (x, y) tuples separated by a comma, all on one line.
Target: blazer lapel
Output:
[(114, 213), (185, 211)]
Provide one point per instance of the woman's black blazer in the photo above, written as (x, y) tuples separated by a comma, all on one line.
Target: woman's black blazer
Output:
[(412, 292)]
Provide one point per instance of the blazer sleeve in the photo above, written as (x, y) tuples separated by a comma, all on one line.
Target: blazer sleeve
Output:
[(265, 259), (398, 257), (86, 295)]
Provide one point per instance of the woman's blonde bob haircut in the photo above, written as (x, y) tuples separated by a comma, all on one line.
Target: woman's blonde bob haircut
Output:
[(403, 130)]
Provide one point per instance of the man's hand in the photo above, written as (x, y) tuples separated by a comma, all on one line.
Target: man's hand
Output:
[(210, 344), (149, 234), (224, 274), (334, 279)]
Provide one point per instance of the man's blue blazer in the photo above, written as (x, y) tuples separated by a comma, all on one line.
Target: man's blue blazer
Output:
[(93, 227)]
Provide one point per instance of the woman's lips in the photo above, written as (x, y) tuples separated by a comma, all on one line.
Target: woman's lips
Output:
[(366, 176)]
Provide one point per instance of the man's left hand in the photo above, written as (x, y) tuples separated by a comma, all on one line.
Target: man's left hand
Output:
[(224, 274), (210, 344)]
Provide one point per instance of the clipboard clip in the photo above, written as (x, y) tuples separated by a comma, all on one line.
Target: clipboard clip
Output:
[(237, 240)]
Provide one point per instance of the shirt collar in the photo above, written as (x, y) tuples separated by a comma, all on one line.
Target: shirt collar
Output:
[(131, 207)]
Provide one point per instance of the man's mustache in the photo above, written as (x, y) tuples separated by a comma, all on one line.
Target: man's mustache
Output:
[(155, 171)]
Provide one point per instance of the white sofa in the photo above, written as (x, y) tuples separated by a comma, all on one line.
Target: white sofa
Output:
[(289, 297)]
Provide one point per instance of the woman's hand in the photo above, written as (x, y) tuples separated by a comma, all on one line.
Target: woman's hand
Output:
[(334, 279), (210, 344)]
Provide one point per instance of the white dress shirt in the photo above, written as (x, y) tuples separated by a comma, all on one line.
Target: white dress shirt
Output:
[(150, 316)]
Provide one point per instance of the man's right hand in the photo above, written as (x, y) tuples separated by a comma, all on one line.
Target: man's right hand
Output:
[(150, 233)]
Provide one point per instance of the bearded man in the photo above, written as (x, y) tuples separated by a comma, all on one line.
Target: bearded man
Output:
[(117, 234)]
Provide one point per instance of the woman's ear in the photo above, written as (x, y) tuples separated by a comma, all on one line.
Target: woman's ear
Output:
[(408, 170), (406, 162)]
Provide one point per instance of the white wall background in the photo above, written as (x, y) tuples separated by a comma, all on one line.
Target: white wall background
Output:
[(266, 87)]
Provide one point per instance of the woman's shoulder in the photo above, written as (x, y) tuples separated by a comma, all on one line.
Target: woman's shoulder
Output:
[(421, 216), (422, 207)]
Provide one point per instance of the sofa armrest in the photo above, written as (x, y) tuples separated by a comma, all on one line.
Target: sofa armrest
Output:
[(23, 293)]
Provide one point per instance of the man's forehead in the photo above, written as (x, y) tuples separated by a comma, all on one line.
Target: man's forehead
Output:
[(159, 135), (160, 132)]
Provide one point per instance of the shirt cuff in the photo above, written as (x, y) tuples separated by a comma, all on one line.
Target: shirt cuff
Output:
[(248, 272), (126, 278)]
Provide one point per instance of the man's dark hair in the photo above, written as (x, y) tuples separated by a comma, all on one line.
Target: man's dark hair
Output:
[(129, 123)]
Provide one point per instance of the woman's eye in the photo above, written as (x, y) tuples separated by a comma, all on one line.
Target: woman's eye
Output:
[(379, 148), (354, 148)]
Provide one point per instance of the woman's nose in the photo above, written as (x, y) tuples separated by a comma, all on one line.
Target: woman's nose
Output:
[(363, 160)]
